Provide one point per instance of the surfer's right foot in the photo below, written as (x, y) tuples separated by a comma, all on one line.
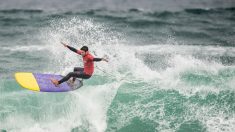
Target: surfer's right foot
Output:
[(55, 82)]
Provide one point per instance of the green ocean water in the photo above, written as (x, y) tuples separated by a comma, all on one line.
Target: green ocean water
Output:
[(169, 71)]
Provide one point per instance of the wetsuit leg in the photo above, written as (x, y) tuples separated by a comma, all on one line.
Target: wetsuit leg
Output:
[(77, 69), (74, 75)]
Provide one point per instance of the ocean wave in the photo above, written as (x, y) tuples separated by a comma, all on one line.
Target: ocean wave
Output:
[(188, 92), (162, 13), (199, 11), (134, 16), (21, 11), (130, 10)]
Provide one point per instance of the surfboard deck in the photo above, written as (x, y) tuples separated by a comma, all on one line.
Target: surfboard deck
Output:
[(42, 83)]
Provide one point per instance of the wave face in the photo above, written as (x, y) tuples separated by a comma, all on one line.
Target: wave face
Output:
[(169, 70)]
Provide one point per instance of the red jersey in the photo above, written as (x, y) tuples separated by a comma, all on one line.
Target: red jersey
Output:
[(88, 63)]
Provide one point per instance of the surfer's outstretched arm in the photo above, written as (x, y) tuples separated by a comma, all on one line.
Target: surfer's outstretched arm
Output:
[(100, 59), (71, 48), (97, 59)]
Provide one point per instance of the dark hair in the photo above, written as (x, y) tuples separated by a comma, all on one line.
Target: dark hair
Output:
[(84, 48)]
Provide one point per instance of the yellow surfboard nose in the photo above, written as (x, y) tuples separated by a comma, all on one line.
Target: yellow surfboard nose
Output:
[(27, 80)]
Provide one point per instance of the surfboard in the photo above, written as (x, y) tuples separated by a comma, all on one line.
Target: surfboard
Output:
[(42, 83)]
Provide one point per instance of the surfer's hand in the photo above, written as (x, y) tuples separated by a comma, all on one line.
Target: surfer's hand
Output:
[(103, 59), (65, 45)]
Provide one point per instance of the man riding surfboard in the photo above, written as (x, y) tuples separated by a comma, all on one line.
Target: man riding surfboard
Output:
[(84, 73)]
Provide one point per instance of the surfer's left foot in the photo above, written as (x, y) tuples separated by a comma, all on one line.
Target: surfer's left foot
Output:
[(55, 82)]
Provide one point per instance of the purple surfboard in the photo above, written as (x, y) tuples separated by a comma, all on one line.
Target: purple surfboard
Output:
[(46, 85)]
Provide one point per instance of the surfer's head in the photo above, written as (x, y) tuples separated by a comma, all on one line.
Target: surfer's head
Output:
[(84, 50)]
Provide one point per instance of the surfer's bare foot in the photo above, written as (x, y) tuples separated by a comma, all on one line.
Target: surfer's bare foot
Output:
[(55, 82)]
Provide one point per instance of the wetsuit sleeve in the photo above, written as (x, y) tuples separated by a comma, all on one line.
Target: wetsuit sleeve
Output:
[(74, 50), (97, 59)]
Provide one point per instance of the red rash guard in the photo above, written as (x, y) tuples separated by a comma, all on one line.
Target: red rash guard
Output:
[(88, 63)]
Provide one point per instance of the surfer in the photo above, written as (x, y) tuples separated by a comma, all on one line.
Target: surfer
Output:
[(84, 73)]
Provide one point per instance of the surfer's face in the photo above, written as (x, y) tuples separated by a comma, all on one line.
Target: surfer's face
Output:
[(83, 53)]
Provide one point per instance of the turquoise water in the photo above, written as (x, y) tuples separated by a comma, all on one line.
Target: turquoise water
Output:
[(169, 70)]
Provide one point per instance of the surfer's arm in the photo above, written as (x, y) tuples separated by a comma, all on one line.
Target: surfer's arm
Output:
[(97, 59), (91, 58), (71, 48), (74, 50), (100, 59)]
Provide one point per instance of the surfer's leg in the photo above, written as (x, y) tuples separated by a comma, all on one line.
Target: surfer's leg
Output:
[(81, 75), (77, 69), (74, 75), (67, 77)]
